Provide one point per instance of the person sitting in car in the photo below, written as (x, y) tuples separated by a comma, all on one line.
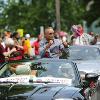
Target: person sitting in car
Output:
[(49, 46), (80, 38)]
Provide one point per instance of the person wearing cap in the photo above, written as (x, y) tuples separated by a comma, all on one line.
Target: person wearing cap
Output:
[(28, 44), (49, 46), (27, 40)]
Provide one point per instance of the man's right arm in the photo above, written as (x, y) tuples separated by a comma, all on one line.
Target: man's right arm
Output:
[(44, 48)]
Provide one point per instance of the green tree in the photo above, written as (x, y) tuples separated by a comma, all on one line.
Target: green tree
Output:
[(42, 13), (72, 12), (92, 13)]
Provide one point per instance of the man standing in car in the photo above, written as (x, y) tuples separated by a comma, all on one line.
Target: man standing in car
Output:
[(49, 46)]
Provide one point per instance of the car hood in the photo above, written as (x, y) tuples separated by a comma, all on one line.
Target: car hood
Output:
[(41, 87), (47, 92)]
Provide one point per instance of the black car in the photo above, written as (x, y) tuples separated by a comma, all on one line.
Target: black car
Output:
[(57, 79), (78, 52)]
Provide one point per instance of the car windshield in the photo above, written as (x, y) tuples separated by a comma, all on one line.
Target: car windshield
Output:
[(58, 70), (89, 67), (83, 53)]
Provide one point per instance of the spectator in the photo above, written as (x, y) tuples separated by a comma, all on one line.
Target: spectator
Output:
[(16, 37), (28, 44), (25, 47), (7, 34), (63, 36), (72, 41), (56, 34), (17, 41), (91, 33), (94, 38), (36, 45)]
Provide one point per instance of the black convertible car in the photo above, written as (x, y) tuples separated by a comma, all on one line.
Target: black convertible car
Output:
[(56, 80)]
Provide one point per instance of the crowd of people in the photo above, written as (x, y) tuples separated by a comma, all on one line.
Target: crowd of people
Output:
[(49, 45), (14, 47)]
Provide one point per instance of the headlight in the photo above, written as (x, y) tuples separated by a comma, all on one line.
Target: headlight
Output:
[(64, 99)]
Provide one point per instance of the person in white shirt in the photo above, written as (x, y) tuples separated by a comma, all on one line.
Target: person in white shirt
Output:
[(81, 38)]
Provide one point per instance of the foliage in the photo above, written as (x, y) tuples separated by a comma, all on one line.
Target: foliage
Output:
[(29, 17), (72, 12), (42, 13), (93, 13)]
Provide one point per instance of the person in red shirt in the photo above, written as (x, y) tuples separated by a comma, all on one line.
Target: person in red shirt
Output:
[(36, 45)]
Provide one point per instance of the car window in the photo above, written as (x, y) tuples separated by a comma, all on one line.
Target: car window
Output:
[(84, 53), (66, 70)]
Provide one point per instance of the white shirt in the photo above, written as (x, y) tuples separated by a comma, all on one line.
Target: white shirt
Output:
[(84, 39)]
